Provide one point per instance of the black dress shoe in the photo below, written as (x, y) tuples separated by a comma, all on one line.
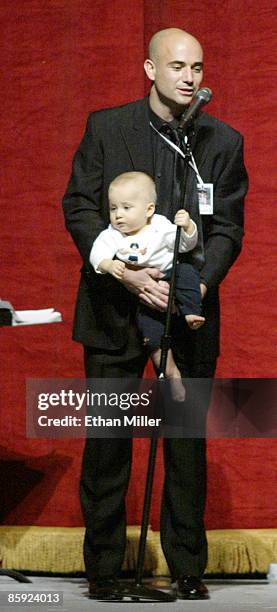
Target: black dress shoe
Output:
[(190, 587), (106, 589)]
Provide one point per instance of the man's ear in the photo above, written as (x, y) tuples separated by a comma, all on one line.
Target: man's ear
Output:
[(150, 210), (150, 69)]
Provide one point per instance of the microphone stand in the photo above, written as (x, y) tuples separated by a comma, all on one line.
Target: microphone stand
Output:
[(138, 592)]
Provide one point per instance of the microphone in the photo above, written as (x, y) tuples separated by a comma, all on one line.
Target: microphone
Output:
[(201, 97)]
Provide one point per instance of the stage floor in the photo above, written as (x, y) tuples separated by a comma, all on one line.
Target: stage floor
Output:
[(225, 595)]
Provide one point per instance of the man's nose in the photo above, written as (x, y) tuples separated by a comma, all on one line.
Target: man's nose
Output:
[(187, 75)]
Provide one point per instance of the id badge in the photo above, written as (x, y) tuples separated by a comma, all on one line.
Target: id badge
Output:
[(206, 198)]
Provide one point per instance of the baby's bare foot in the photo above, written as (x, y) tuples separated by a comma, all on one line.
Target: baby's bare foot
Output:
[(177, 389), (176, 384), (194, 321)]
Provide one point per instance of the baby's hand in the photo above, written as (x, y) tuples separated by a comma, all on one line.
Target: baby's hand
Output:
[(182, 218), (117, 269)]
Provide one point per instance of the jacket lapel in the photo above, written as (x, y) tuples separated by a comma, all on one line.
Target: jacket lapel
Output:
[(137, 137), (200, 146)]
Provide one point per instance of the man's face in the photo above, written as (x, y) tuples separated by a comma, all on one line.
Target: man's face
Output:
[(129, 208), (177, 70)]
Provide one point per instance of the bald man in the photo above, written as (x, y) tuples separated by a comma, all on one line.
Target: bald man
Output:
[(122, 139)]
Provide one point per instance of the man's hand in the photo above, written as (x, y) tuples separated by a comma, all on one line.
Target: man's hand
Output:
[(148, 286)]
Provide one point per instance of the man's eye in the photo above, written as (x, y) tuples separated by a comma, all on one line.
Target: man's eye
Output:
[(176, 67), (197, 69)]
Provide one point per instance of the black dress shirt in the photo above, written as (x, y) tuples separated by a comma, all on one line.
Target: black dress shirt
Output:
[(171, 172)]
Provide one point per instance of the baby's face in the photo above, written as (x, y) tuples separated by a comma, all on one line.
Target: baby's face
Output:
[(129, 208)]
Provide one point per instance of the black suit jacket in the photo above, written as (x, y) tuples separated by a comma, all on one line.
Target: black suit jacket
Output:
[(119, 140)]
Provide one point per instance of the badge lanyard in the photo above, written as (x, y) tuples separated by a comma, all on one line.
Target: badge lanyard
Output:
[(191, 162), (204, 190)]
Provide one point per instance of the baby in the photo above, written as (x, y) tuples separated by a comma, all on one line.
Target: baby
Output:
[(138, 237)]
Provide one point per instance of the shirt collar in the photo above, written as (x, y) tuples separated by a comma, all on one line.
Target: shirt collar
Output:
[(158, 121)]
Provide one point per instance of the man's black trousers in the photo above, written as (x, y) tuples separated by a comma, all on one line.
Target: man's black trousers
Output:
[(104, 481)]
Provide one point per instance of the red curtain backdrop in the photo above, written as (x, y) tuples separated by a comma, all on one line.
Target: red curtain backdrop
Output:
[(60, 60)]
